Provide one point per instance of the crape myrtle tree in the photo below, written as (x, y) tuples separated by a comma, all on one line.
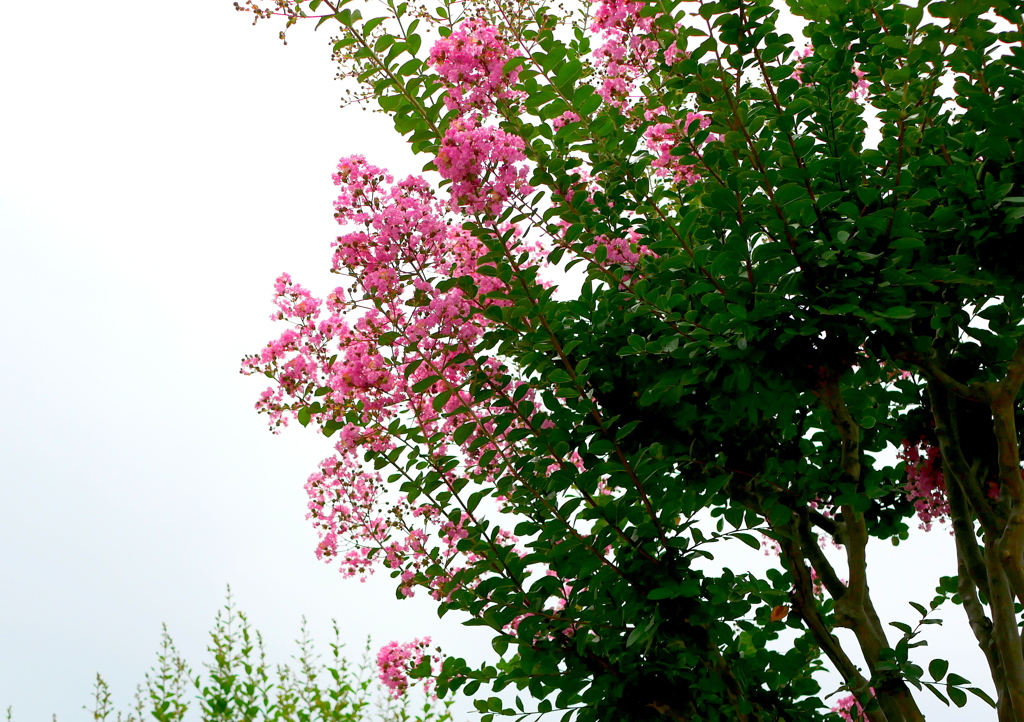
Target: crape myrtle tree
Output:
[(792, 257)]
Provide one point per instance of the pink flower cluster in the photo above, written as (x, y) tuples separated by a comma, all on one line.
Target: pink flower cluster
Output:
[(288, 352), (401, 222), (564, 119), (394, 351), (662, 137), (625, 252), (926, 486), (849, 709), (394, 662), (860, 85), (484, 165), (389, 365), (629, 50), (471, 62), (344, 502), (673, 53), (798, 67)]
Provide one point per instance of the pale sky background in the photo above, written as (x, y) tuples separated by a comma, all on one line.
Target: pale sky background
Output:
[(160, 165)]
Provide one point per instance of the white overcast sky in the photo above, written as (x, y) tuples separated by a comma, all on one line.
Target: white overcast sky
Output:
[(160, 165)]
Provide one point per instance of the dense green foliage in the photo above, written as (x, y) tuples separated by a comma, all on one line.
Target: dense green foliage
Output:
[(825, 267)]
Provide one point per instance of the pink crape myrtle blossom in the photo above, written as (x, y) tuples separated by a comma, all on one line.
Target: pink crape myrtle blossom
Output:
[(471, 62), (662, 137), (345, 506), (798, 67), (629, 50), (484, 164), (386, 350), (361, 185), (926, 486), (860, 85), (405, 227), (564, 119), (624, 252), (817, 585), (394, 662), (622, 60), (673, 53), (292, 353), (619, 16), (849, 709)]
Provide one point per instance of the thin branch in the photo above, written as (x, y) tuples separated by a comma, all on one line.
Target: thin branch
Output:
[(826, 573), (952, 455)]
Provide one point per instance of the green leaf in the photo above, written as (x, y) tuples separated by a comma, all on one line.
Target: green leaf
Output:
[(723, 200), (559, 376), (934, 690), (568, 74), (410, 67), (441, 400), (500, 644), (464, 432), (899, 312), (980, 693), (788, 193), (372, 23), (957, 695), (626, 430), (937, 669), (513, 63), (420, 386), (779, 515), (748, 540)]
